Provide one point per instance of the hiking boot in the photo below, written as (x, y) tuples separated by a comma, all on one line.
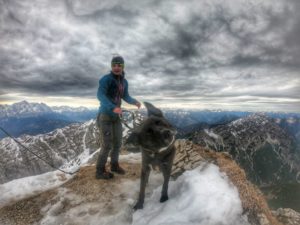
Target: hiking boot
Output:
[(103, 174), (115, 167)]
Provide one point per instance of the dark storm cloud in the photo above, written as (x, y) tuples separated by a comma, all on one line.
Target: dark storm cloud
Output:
[(171, 49), (190, 38), (273, 40)]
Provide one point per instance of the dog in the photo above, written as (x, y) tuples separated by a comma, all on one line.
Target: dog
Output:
[(155, 138)]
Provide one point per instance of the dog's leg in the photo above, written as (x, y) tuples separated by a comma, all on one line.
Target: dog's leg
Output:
[(144, 180), (166, 171)]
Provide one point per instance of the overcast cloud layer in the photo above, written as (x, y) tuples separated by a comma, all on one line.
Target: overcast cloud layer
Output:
[(238, 54)]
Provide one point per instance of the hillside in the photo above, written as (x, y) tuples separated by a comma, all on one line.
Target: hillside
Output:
[(66, 145), (268, 153)]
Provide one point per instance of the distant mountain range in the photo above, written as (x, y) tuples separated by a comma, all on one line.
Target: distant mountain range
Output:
[(38, 118), (26, 109), (189, 121), (267, 148)]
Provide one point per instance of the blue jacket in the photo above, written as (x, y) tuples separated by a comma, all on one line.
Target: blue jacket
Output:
[(112, 89)]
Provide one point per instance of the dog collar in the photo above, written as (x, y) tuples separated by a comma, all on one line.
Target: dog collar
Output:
[(161, 150), (165, 148)]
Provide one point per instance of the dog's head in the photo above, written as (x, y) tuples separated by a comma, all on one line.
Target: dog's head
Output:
[(155, 133)]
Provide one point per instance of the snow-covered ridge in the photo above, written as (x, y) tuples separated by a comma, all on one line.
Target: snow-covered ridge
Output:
[(257, 118), (258, 143), (57, 147), (71, 144)]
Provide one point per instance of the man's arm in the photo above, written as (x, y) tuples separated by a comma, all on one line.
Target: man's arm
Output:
[(127, 98), (102, 92)]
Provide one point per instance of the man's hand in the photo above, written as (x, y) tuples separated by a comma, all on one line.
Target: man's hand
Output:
[(138, 104), (117, 110)]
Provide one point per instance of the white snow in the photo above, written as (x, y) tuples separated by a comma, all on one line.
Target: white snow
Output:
[(212, 134), (271, 140), (234, 133), (203, 196), (237, 122), (131, 158), (291, 120), (24, 187)]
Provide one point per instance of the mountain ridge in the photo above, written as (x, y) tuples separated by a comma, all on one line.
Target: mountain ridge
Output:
[(267, 152), (57, 147)]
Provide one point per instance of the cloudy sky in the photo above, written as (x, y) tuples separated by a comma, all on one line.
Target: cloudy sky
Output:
[(207, 54)]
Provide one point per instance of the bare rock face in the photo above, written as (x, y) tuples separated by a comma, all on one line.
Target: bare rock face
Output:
[(186, 158), (287, 216)]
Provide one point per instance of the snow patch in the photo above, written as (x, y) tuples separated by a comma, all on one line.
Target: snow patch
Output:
[(271, 140), (212, 134), (131, 158), (24, 187), (203, 196)]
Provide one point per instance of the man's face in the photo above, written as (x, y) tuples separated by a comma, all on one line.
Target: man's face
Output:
[(117, 69)]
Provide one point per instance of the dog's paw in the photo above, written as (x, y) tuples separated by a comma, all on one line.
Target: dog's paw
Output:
[(164, 198), (138, 206)]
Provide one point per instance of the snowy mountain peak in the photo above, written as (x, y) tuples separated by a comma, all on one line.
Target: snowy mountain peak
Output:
[(255, 119), (23, 108)]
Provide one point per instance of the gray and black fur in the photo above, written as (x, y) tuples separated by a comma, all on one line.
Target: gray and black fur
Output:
[(155, 137)]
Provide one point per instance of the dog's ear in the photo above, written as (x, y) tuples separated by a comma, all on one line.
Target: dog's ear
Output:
[(133, 139), (152, 110)]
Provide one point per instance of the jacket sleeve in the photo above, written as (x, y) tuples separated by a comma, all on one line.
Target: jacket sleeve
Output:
[(102, 94), (127, 98)]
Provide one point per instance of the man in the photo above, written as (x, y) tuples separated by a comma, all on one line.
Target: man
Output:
[(112, 88)]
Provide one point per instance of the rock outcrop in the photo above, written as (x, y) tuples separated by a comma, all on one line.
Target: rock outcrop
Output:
[(287, 216)]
